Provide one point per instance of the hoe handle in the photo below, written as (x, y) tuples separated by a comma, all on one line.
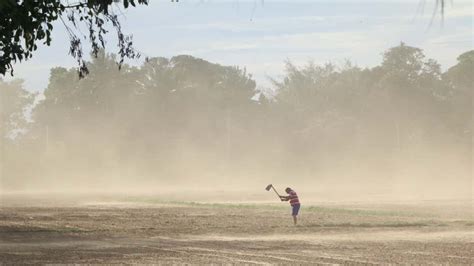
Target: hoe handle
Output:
[(276, 191)]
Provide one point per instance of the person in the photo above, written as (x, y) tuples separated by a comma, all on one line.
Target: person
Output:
[(294, 202)]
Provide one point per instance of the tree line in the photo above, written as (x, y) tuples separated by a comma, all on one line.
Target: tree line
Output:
[(184, 118)]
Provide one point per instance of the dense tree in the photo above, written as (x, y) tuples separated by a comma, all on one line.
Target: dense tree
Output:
[(462, 82), (389, 113), (410, 92), (14, 102), (184, 116), (165, 110)]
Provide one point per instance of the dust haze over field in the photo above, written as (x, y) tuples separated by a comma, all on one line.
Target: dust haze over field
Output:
[(167, 160), (401, 130)]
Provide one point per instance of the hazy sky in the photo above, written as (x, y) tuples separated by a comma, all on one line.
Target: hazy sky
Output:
[(261, 34)]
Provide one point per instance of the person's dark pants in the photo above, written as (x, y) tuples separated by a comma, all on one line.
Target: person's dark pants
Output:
[(295, 209)]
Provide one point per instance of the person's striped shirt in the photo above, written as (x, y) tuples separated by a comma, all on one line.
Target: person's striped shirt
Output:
[(293, 198)]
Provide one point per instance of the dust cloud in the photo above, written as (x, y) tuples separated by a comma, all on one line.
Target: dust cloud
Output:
[(187, 129)]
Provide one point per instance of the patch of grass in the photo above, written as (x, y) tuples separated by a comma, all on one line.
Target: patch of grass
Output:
[(305, 208), (465, 223), (204, 204), (357, 212), (70, 230), (231, 205), (369, 225), (37, 229), (23, 229)]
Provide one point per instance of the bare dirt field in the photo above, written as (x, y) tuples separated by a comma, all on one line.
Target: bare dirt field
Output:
[(147, 230)]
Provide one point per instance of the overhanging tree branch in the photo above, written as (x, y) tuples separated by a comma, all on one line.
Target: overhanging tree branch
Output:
[(25, 23)]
